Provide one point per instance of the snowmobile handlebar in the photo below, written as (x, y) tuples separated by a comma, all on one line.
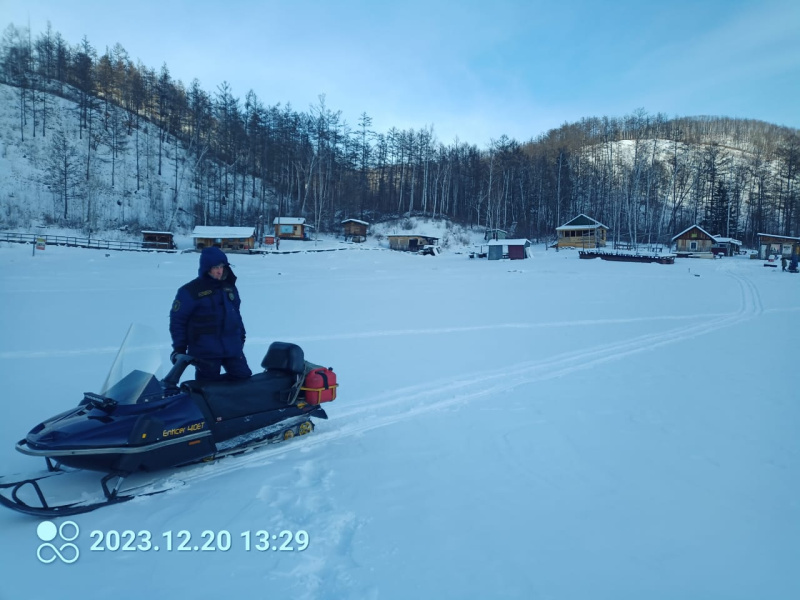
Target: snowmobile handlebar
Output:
[(172, 378)]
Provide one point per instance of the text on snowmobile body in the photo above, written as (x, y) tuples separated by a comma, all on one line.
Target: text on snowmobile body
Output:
[(181, 430), (208, 541)]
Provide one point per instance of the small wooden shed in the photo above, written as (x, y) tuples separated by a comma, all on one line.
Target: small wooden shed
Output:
[(694, 240), (355, 230), (158, 240), (725, 246), (411, 243), (769, 243), (291, 228), (582, 232), (230, 239), (514, 249)]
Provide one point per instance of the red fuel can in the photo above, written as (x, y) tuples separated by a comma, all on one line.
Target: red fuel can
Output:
[(320, 386)]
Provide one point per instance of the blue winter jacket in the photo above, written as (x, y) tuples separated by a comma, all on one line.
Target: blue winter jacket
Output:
[(205, 319)]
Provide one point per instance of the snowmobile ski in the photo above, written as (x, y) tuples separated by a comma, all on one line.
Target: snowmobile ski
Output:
[(45, 510), (116, 495)]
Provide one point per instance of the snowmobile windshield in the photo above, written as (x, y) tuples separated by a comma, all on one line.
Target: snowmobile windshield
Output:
[(133, 376), (136, 386)]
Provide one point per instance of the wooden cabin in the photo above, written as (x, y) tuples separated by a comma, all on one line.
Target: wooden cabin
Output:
[(694, 241), (291, 228), (513, 249), (355, 230), (229, 239), (158, 240), (769, 243), (411, 243), (582, 232)]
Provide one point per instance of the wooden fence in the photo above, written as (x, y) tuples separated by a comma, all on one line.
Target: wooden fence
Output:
[(79, 242)]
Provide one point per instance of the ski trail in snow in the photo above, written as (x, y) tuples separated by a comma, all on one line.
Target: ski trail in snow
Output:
[(36, 354), (567, 362), (58, 353), (360, 416), (491, 327)]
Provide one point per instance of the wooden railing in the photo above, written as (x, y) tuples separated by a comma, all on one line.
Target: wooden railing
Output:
[(81, 242)]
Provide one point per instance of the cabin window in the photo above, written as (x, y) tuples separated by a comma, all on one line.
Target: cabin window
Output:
[(692, 245)]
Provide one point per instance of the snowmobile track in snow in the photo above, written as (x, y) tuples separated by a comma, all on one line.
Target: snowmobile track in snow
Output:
[(356, 417), (359, 416)]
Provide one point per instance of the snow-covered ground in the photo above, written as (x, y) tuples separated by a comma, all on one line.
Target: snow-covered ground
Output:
[(551, 428)]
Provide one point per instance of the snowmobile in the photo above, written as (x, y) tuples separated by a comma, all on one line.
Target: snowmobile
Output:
[(142, 424)]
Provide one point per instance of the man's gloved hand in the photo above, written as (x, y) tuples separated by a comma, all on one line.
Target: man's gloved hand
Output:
[(174, 356)]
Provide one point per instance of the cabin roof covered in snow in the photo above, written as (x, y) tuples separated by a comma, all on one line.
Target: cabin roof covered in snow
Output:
[(289, 221), (517, 242), (354, 221), (689, 229), (781, 237), (214, 231), (412, 235)]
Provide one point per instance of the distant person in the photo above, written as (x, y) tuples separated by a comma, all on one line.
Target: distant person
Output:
[(783, 263), (205, 321)]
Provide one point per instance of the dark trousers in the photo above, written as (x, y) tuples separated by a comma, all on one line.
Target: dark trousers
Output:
[(208, 369)]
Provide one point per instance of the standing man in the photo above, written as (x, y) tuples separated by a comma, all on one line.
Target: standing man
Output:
[(205, 321)]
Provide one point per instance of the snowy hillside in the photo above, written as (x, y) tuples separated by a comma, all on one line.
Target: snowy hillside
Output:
[(27, 197), (28, 205), (552, 428)]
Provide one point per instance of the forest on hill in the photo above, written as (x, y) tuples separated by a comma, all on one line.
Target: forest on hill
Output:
[(94, 140)]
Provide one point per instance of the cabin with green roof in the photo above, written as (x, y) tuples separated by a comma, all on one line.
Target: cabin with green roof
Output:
[(582, 232)]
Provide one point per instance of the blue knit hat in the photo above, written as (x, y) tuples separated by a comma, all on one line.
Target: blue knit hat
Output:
[(211, 257)]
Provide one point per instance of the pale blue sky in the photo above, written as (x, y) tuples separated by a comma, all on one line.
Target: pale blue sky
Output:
[(473, 70)]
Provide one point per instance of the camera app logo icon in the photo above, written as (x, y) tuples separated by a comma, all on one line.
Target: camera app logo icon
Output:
[(67, 532)]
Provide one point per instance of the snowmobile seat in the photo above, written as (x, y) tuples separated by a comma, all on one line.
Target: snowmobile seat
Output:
[(272, 389), (225, 400), (284, 356)]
